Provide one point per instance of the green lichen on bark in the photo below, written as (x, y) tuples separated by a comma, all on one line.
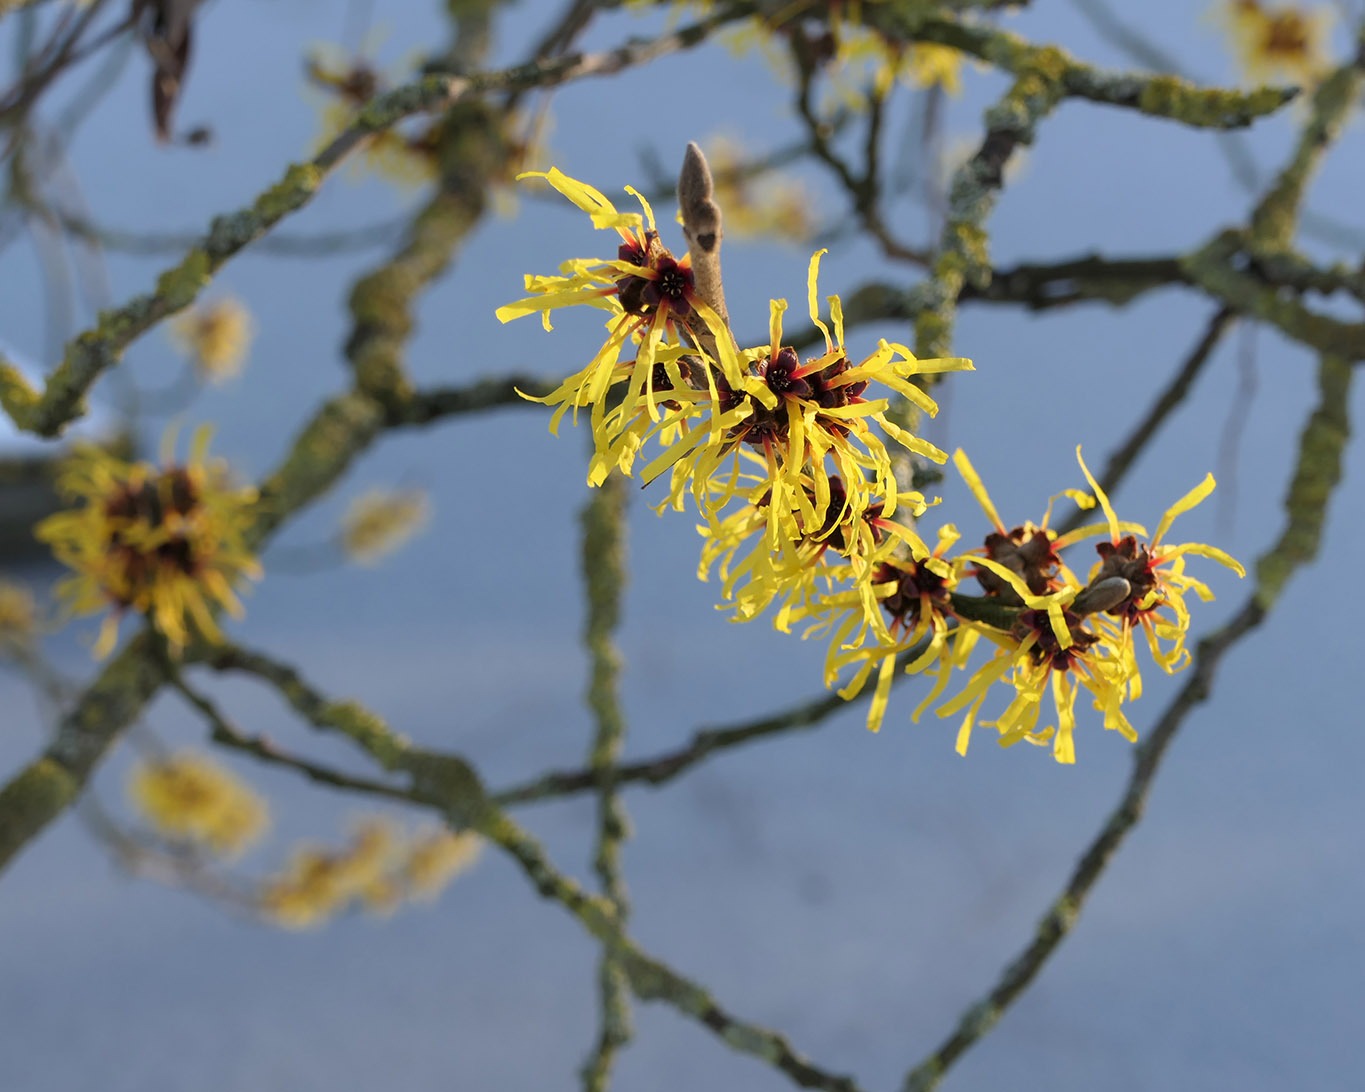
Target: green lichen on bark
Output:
[(178, 287), (1208, 107), (1275, 219), (300, 182), (17, 395), (384, 110), (1316, 474), (338, 433), (367, 730), (32, 800), (472, 151)]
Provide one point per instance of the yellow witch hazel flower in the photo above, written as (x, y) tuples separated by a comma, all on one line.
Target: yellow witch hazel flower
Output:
[(805, 416), (379, 868), (1034, 661), (437, 857), (190, 798), (381, 521), (318, 883), (1068, 636), (1156, 575), (903, 606), (167, 542), (754, 571), (1285, 42), (923, 65), (1047, 649), (649, 297), (215, 337)]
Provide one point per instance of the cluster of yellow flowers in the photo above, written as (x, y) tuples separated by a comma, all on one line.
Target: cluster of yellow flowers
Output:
[(705, 403), (785, 461), (378, 869), (187, 797), (167, 542), (1047, 631)]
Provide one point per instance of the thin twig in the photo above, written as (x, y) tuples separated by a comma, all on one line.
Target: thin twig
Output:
[(226, 734), (665, 767)]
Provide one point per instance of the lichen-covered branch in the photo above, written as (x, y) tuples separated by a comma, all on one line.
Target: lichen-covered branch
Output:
[(1215, 268), (604, 574), (45, 788), (963, 259), (1157, 95), (223, 732)]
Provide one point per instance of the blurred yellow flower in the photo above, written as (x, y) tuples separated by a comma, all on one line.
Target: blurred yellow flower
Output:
[(188, 797), (436, 858), (1287, 42), (378, 869), (166, 542), (215, 336), (317, 884), (862, 52), (381, 521), (767, 206)]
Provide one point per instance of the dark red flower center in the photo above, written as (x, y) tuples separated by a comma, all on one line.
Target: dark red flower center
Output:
[(1048, 649), (1027, 553)]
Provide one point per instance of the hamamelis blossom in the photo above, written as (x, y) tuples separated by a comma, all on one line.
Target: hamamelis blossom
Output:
[(346, 84), (811, 420), (755, 571), (1155, 571), (862, 51), (188, 797), (1285, 42), (903, 605), (1031, 551), (379, 868), (1036, 663), (1048, 647), (18, 620), (649, 297), (167, 542), (215, 336), (380, 521)]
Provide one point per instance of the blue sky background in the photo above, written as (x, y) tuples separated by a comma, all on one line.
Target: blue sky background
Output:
[(855, 891)]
